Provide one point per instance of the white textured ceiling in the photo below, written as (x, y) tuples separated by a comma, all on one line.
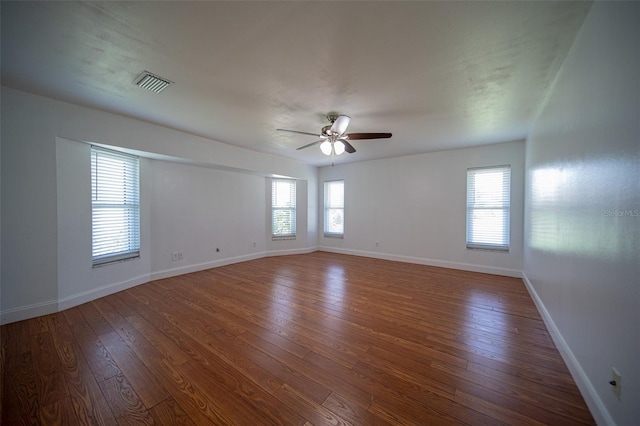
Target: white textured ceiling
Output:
[(438, 75)]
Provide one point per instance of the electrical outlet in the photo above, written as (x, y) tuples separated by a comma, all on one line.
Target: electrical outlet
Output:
[(254, 243), (377, 244), (180, 255), (175, 256), (616, 382)]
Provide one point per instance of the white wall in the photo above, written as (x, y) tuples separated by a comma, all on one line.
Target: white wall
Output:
[(46, 203), (29, 252), (582, 218), (196, 210), (415, 208)]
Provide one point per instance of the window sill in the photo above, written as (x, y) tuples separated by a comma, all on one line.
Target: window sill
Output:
[(114, 260), (283, 238), (487, 248), (339, 236)]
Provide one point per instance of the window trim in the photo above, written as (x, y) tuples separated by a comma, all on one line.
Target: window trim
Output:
[(132, 208), (327, 234), (293, 207), (505, 205)]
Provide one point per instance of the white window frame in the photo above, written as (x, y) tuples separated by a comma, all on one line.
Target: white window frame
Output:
[(329, 205), (489, 207), (115, 206), (284, 202)]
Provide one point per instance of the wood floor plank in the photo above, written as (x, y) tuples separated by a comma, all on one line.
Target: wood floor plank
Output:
[(59, 413), (352, 412), (151, 333), (16, 336), (146, 385), (170, 413), (529, 394), (236, 324), (38, 325), (94, 318), (234, 404), (558, 379), (190, 398), (218, 396), (495, 411), (86, 397), (124, 402), (316, 413), (398, 411), (310, 339), (20, 404), (262, 403), (165, 346), (73, 315), (216, 345), (50, 380), (190, 349), (242, 326), (326, 345), (558, 386), (305, 367), (345, 381), (100, 362)]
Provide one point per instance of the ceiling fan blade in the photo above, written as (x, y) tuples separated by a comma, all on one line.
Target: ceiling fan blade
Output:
[(295, 131), (310, 144), (340, 125), (348, 147), (356, 136)]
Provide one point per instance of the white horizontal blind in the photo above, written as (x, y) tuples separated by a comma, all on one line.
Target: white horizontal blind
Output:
[(488, 207), (334, 208), (283, 208), (115, 206)]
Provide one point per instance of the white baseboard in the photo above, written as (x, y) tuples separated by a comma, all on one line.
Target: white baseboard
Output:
[(29, 311), (167, 273), (599, 411), (428, 262), (53, 306), (102, 291), (274, 253)]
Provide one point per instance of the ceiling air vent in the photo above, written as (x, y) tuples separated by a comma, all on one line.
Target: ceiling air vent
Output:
[(152, 82)]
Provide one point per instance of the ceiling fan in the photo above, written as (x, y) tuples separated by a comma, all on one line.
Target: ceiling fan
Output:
[(333, 139)]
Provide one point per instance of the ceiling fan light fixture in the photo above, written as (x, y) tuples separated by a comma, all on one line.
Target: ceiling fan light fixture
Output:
[(325, 147), (338, 147)]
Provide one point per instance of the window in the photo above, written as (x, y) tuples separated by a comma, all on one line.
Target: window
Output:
[(115, 206), (334, 208), (283, 208), (488, 203)]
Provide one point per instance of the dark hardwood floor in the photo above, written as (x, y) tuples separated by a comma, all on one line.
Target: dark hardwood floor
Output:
[(303, 340)]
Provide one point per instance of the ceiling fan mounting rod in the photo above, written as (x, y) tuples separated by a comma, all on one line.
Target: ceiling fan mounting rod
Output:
[(332, 117)]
